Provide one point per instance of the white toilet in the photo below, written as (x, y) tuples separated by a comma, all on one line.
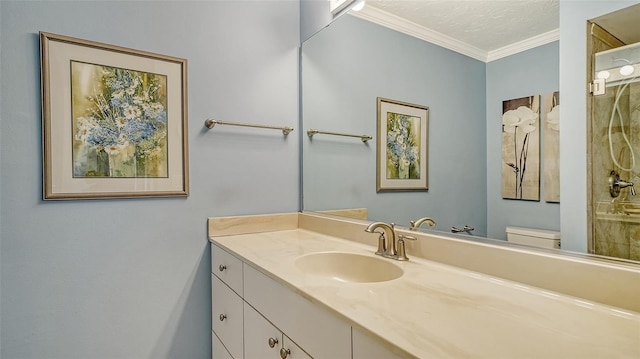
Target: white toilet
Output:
[(534, 237)]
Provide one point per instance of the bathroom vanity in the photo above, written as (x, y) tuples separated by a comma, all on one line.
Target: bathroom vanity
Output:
[(305, 285)]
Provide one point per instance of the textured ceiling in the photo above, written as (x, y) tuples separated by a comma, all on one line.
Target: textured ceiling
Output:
[(486, 25)]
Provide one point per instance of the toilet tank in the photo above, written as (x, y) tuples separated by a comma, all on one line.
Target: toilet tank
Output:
[(534, 237)]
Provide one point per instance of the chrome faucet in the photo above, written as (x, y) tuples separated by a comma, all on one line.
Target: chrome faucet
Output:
[(384, 247), (388, 248), (416, 224)]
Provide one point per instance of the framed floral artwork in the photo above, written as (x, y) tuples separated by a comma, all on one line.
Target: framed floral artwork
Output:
[(114, 121), (521, 148), (402, 146)]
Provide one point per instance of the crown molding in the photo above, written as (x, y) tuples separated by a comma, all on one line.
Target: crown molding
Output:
[(526, 44), (397, 23)]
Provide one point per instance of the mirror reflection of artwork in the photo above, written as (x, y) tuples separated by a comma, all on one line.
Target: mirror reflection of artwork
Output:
[(403, 146), (551, 103), (401, 152), (119, 122), (521, 148)]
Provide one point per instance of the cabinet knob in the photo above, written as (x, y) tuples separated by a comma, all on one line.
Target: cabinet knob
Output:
[(222, 317), (222, 267), (284, 353), (273, 342)]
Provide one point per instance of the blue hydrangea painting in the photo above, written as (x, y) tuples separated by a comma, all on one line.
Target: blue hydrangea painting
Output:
[(403, 146), (119, 122)]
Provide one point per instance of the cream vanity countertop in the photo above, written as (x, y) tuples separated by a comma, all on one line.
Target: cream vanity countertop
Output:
[(437, 310)]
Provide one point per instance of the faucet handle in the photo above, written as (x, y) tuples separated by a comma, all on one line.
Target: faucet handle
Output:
[(466, 228), (382, 243), (402, 252), (615, 184), (402, 236)]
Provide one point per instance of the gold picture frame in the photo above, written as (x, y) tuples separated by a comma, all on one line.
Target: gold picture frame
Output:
[(114, 121), (402, 146)]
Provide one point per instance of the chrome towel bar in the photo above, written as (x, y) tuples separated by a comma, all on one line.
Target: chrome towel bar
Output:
[(312, 132), (210, 123)]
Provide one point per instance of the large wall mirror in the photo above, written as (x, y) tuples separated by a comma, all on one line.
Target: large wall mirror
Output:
[(348, 65)]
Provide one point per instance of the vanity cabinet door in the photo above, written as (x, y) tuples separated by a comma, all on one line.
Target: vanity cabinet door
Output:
[(365, 347), (226, 317), (227, 267), (259, 336), (292, 351), (218, 351), (315, 329), (262, 340)]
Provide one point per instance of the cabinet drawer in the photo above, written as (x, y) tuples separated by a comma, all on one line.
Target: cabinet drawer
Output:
[(315, 329), (226, 317), (227, 267)]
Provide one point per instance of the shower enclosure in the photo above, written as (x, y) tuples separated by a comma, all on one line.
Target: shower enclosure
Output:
[(615, 146)]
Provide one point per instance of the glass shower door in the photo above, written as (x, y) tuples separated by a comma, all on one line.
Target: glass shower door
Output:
[(615, 153)]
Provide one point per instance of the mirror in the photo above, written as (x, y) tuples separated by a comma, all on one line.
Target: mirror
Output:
[(345, 68), (349, 64)]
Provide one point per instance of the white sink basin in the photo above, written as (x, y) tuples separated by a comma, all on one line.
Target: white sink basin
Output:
[(349, 267)]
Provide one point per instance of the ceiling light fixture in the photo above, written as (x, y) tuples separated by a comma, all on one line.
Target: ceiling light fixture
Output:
[(626, 70), (604, 74)]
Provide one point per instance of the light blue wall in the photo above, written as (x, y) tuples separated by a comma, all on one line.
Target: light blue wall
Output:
[(532, 72), (573, 133), (131, 278), (345, 68)]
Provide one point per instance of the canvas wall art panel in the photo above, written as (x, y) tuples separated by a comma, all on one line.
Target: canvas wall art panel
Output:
[(551, 149), (521, 148)]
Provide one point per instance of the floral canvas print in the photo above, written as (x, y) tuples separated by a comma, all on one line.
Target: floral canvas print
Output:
[(402, 146), (119, 122), (521, 148), (551, 103)]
